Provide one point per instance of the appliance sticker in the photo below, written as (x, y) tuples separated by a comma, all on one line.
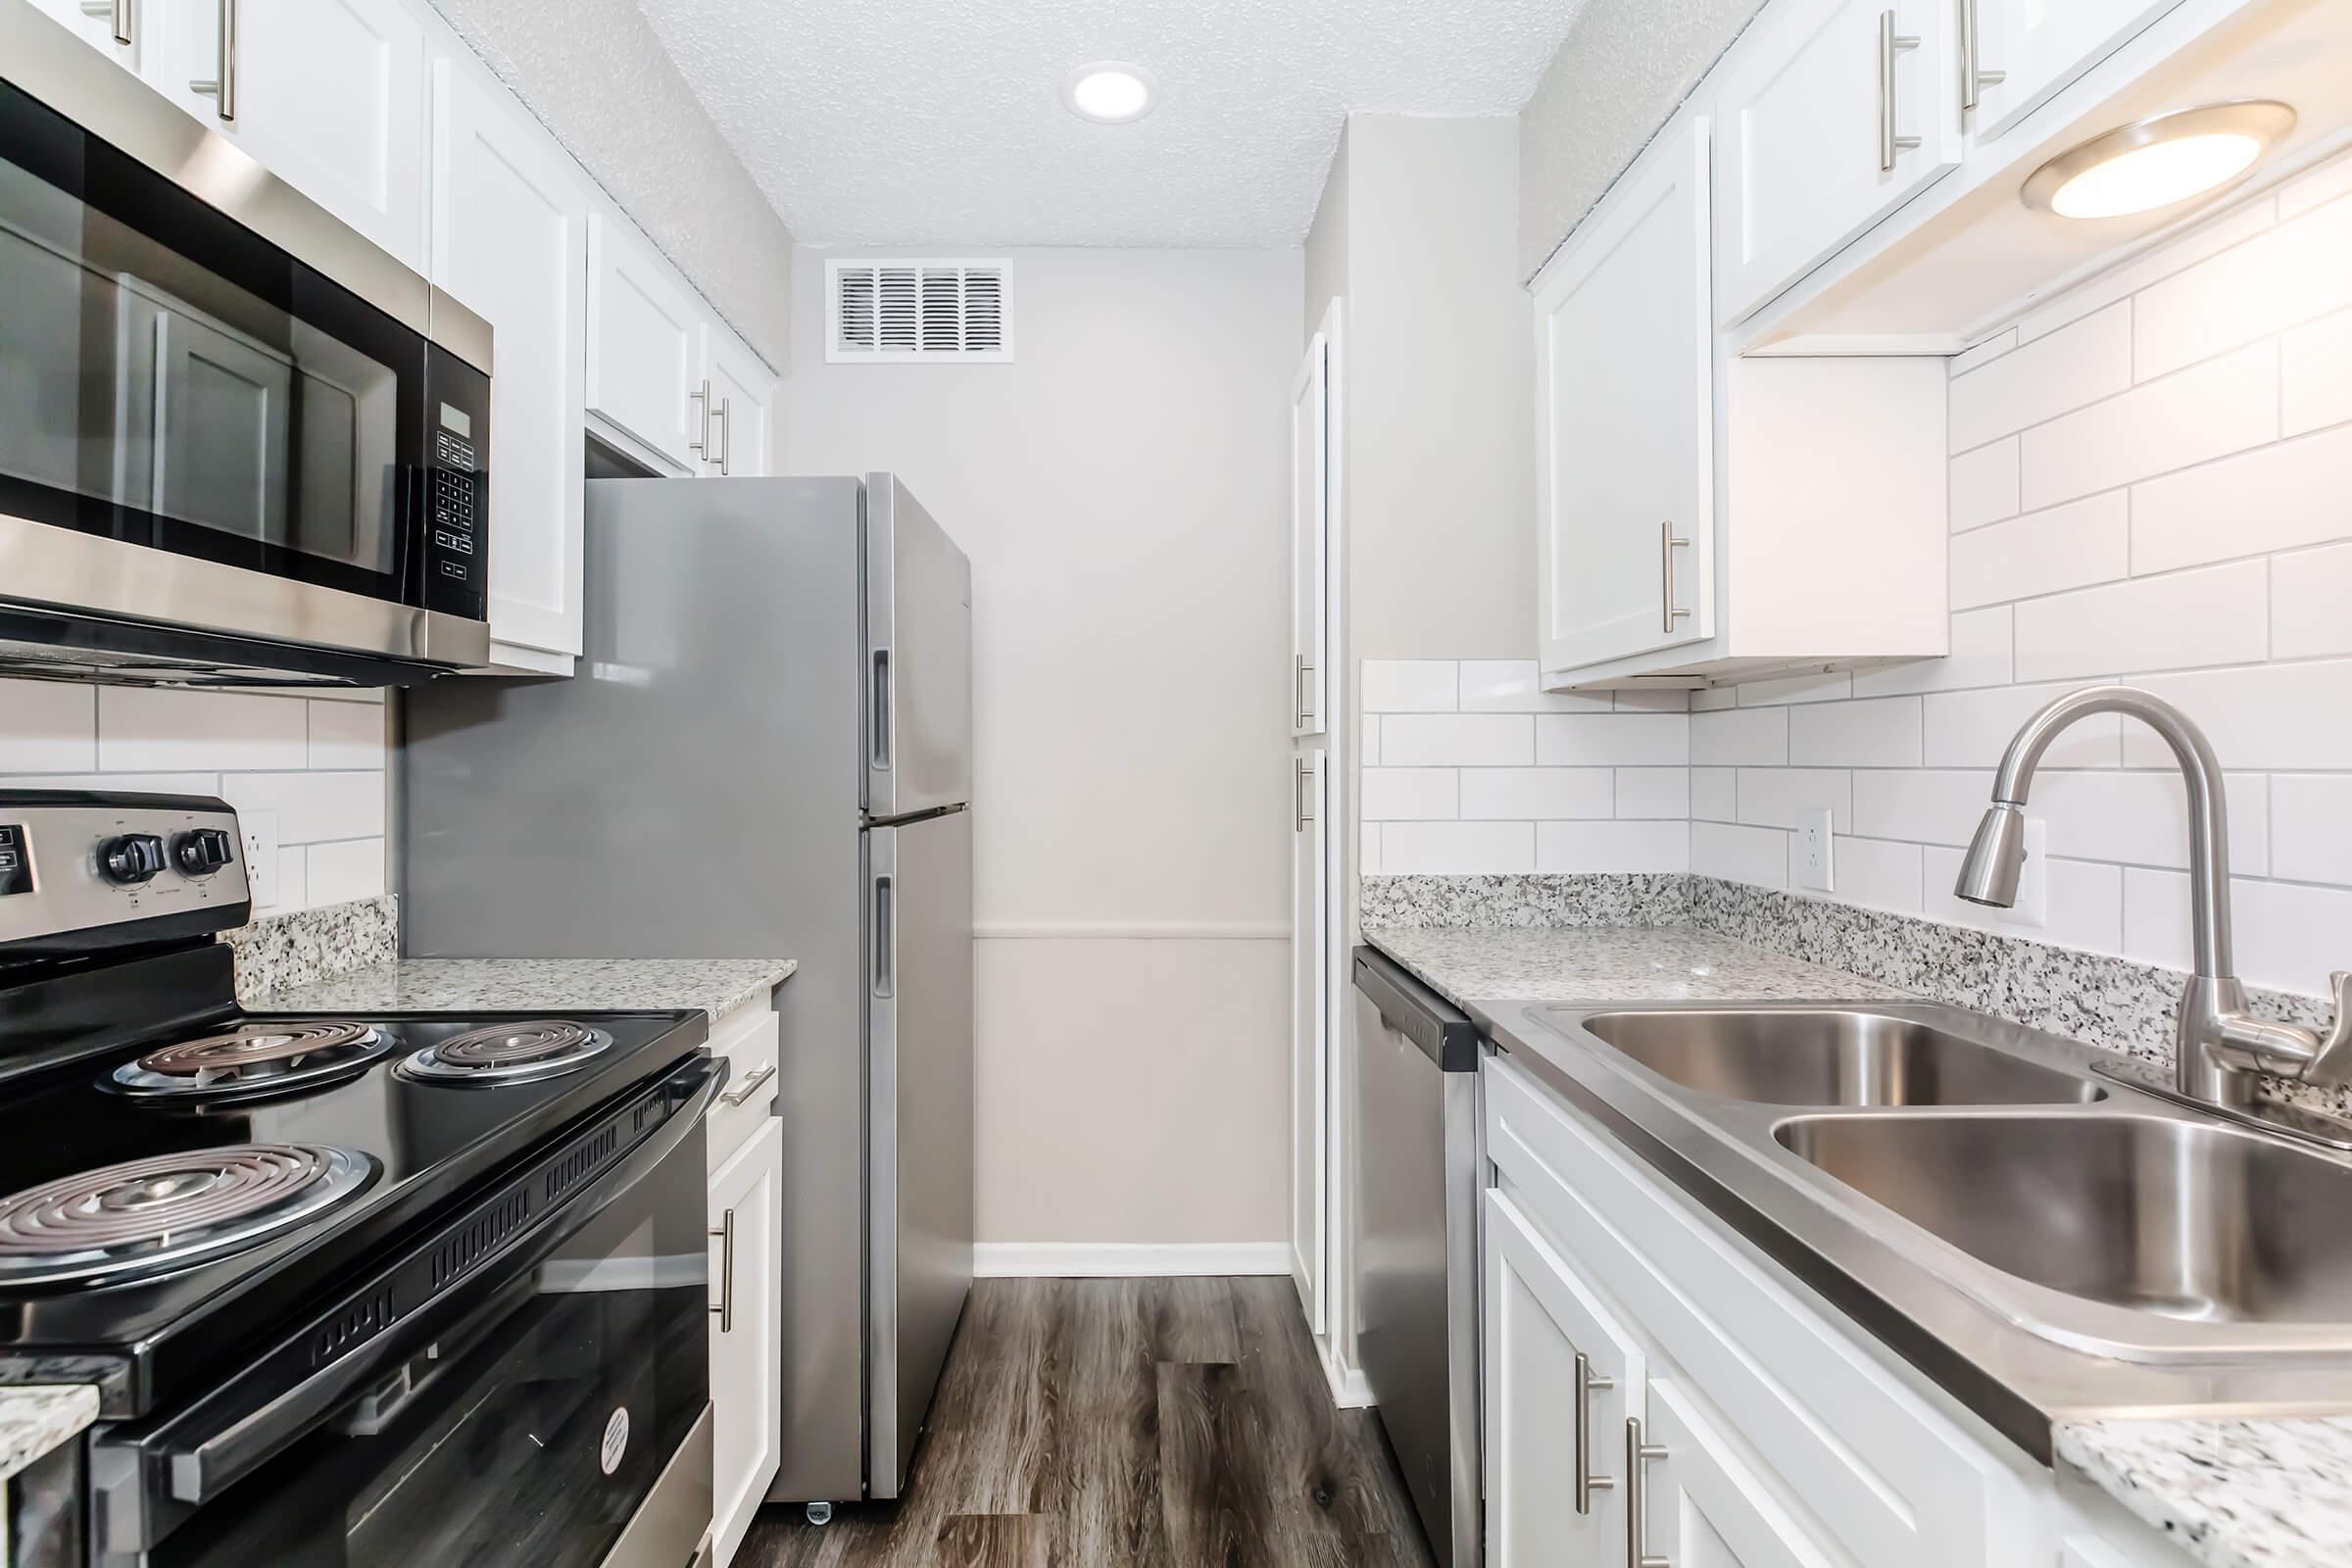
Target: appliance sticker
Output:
[(617, 1440)]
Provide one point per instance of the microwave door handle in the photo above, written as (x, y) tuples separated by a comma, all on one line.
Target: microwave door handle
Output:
[(196, 1470)]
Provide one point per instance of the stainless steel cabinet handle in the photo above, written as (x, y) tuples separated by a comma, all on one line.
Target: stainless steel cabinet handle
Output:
[(223, 89), (1973, 77), (1890, 44), (700, 397), (749, 1086), (1668, 544), (1587, 1384), (727, 433), (725, 1309), (117, 13), (1302, 689), (1300, 775), (1637, 1455)]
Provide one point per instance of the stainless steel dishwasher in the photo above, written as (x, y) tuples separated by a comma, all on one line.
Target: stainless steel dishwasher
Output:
[(1416, 1245)]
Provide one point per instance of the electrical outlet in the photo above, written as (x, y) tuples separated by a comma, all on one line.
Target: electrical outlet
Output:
[(1813, 864), (260, 856)]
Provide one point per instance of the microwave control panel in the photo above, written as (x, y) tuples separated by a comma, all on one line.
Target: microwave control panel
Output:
[(456, 524)]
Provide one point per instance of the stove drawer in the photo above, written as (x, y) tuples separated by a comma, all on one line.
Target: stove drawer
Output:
[(748, 1038)]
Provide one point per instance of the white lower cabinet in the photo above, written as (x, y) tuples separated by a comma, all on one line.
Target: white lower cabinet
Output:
[(746, 1345), (1730, 1418)]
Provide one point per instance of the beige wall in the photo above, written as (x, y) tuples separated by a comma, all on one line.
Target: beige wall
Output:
[(1121, 489)]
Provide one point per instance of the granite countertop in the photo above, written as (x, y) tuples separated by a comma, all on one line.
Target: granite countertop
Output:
[(534, 985), (36, 1419), (2234, 1494)]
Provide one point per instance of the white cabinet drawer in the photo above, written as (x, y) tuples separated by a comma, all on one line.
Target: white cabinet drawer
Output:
[(1891, 1477), (748, 1038)]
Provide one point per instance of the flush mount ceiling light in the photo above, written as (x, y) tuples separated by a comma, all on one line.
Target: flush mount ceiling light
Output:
[(1110, 92), (2158, 160)]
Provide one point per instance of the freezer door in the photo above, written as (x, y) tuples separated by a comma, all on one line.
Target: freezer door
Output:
[(918, 664), (919, 1065)]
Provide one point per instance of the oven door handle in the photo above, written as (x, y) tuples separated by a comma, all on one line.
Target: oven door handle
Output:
[(156, 1483)]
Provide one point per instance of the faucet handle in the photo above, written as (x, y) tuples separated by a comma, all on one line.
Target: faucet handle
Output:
[(2331, 1063)]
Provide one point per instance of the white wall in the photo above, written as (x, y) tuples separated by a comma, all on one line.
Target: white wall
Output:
[(2151, 481), (316, 762), (1120, 491)]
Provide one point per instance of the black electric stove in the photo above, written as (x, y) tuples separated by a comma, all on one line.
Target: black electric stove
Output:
[(241, 1226)]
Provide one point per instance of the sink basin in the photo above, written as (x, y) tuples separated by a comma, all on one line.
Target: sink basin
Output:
[(1840, 1056), (2183, 1220)]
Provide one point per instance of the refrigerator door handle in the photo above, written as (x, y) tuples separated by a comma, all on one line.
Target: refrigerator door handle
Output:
[(885, 928), (881, 707)]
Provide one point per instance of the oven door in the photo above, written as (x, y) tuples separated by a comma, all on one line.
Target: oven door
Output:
[(559, 1416), (221, 415)]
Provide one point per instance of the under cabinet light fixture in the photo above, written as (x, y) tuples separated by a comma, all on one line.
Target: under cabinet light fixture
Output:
[(1110, 92), (2159, 161)]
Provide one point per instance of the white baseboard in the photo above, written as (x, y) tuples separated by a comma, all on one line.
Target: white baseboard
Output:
[(1081, 1260), (1349, 1390)]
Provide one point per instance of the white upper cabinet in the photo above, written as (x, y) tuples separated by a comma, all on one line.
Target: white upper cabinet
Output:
[(328, 94), (645, 346), (1835, 113), (742, 395), (510, 242), (115, 27), (1311, 476), (1625, 490), (2025, 50)]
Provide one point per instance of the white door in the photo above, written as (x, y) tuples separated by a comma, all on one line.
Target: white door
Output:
[(2027, 50), (1701, 1506), (746, 1345), (1560, 1378), (743, 397), (510, 242), (328, 94), (644, 346), (1838, 112), (113, 26), (1311, 1035), (1311, 477), (1625, 529)]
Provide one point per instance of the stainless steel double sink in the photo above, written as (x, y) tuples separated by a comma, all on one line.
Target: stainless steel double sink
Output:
[(2119, 1251)]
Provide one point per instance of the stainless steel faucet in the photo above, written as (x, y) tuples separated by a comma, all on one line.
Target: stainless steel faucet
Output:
[(2218, 1044)]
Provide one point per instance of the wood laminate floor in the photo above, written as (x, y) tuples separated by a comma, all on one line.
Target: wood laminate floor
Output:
[(1173, 1423)]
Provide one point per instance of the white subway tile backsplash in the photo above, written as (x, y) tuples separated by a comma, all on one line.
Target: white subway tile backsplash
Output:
[(2314, 368), (1972, 729), (1456, 848), (2261, 717), (2310, 590), (2213, 615), (2232, 227), (1933, 806), (1809, 688), (2277, 498), (1715, 794), (1983, 354), (346, 735), (1654, 792), (2075, 365), (2142, 818), (1457, 740), (158, 729), (2084, 898), (1779, 796), (1536, 793), (1410, 794), (1980, 642), (1367, 741), (2316, 187), (1508, 686), (2045, 552), (1758, 854), (1710, 698), (48, 726), (311, 807), (1408, 686), (1740, 737), (1597, 847), (1867, 732), (1596, 740), (2311, 828), (1653, 699), (2291, 274), (2288, 935), (1369, 861), (1872, 872), (2206, 412), (1983, 485), (353, 868)]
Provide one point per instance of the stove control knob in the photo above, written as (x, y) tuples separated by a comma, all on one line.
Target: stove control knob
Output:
[(131, 860), (202, 850)]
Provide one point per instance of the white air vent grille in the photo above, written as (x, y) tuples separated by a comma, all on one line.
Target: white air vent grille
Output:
[(913, 312)]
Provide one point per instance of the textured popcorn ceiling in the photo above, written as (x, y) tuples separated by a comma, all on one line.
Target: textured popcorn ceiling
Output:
[(941, 122)]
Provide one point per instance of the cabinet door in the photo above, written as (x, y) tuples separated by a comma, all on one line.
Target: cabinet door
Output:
[(2027, 50), (1625, 392), (1838, 112), (1310, 537), (747, 1209), (113, 26), (509, 240), (743, 397), (1560, 1378), (1311, 1035), (328, 94), (1699, 1503), (644, 346)]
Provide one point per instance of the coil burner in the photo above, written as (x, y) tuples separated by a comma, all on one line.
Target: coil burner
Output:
[(507, 1053), (146, 1217), (253, 1059)]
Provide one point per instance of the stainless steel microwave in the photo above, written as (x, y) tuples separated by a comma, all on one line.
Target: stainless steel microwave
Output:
[(239, 443)]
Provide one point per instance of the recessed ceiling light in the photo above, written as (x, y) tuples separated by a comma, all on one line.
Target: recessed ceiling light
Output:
[(1110, 92), (2158, 160)]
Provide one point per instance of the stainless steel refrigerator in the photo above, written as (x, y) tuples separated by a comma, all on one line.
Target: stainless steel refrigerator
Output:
[(766, 751)]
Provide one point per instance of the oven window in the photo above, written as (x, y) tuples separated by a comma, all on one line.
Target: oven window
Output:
[(530, 1433), (169, 378)]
